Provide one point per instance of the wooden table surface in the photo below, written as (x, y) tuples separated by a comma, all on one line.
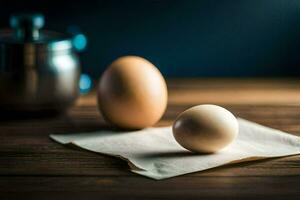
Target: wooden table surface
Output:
[(32, 166)]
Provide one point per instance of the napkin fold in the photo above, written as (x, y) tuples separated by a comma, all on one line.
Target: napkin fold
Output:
[(153, 152)]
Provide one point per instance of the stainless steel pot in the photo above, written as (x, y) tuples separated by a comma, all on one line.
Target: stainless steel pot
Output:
[(39, 69)]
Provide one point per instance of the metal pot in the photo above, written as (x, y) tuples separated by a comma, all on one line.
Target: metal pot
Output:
[(39, 69)]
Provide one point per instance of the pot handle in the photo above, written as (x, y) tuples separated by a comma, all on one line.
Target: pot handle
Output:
[(79, 40)]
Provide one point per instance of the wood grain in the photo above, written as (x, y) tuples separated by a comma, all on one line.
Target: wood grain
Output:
[(33, 166)]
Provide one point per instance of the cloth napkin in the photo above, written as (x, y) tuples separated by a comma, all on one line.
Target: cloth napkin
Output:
[(153, 152)]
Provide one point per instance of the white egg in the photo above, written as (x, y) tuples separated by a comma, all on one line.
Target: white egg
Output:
[(205, 128)]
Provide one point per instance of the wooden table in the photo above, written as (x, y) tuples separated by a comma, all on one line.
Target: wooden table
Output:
[(33, 166)]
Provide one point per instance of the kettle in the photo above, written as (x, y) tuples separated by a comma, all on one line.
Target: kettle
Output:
[(39, 69)]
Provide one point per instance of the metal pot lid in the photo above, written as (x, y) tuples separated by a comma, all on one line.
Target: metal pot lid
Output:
[(26, 28)]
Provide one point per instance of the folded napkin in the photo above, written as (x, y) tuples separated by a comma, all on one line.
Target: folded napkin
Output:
[(153, 152)]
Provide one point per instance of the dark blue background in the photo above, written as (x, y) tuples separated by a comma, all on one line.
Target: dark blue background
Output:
[(182, 38)]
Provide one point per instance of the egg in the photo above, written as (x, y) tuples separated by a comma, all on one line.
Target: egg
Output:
[(205, 128), (132, 93)]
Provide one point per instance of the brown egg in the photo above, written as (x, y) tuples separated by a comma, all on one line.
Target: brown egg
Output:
[(205, 128), (132, 93)]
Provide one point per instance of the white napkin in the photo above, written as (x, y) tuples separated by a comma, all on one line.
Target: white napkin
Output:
[(154, 153)]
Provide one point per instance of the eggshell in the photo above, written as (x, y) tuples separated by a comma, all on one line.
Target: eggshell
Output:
[(205, 128), (132, 93)]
